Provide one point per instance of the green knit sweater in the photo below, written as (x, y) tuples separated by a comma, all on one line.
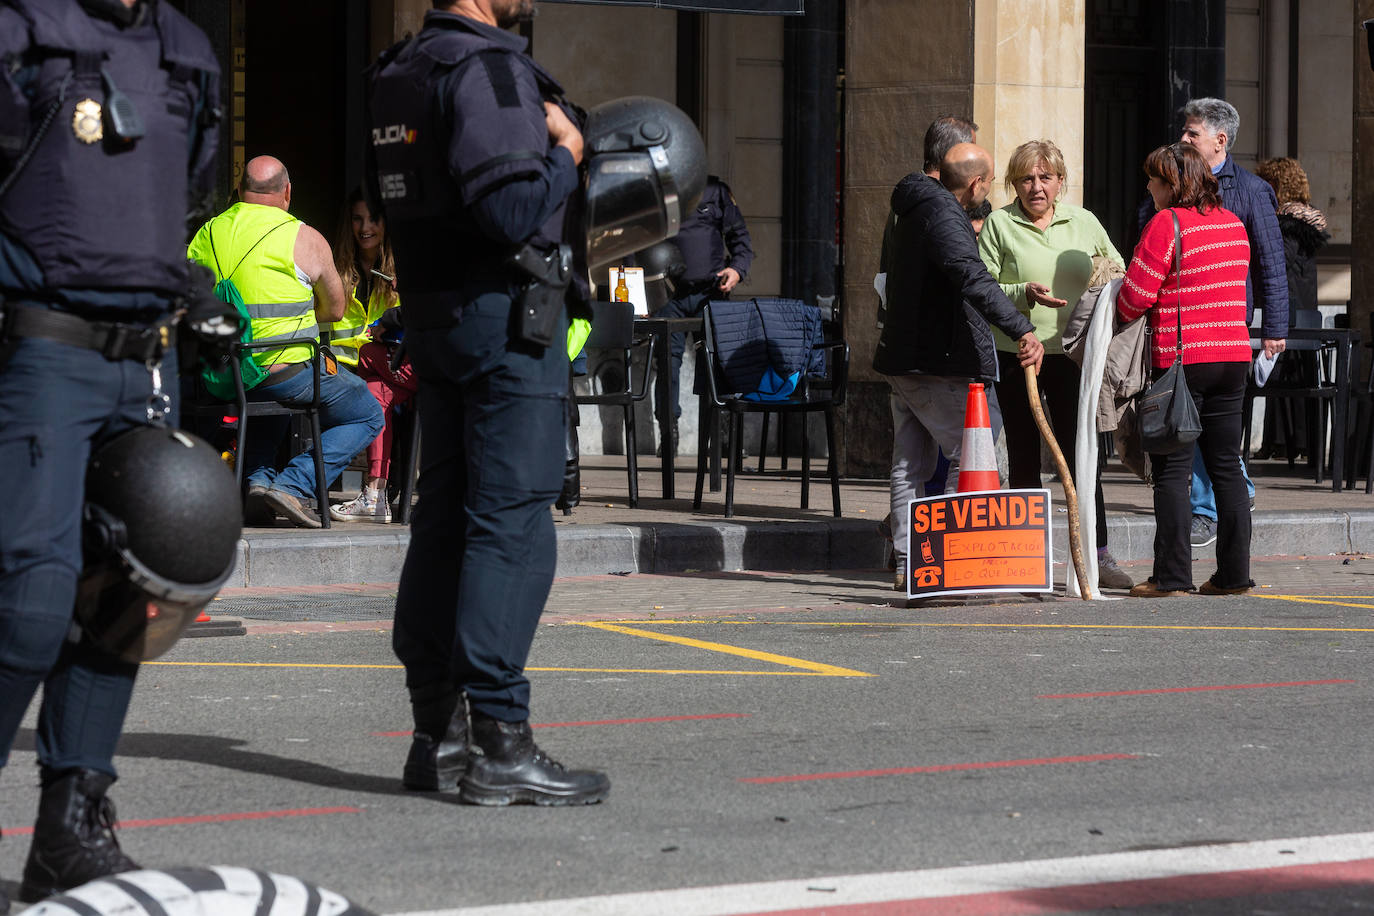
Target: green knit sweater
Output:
[(1017, 253)]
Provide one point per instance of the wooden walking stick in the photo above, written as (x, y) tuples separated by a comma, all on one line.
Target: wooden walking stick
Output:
[(1070, 493)]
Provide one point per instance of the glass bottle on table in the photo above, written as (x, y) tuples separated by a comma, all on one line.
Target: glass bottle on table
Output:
[(622, 289)]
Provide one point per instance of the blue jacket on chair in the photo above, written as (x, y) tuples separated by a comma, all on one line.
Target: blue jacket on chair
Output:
[(757, 335)]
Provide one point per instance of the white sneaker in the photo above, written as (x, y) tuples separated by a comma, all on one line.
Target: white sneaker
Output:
[(364, 507)]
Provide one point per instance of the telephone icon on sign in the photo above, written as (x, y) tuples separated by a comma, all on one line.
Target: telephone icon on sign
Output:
[(926, 576)]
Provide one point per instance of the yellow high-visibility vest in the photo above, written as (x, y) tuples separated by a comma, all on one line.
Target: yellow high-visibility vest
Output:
[(349, 333), (255, 245)]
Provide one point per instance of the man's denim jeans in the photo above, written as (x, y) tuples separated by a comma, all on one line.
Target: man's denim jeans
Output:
[(1203, 499), (350, 418)]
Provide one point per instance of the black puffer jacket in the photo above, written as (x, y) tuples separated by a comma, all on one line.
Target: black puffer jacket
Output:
[(940, 296), (1304, 233)]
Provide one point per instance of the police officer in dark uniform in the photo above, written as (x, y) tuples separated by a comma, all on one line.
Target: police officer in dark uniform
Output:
[(715, 245), (107, 113), (476, 156)]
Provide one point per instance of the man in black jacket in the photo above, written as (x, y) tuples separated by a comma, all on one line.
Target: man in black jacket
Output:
[(935, 337)]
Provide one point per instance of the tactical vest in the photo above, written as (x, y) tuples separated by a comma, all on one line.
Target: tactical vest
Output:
[(93, 210), (411, 126), (349, 333), (255, 245)]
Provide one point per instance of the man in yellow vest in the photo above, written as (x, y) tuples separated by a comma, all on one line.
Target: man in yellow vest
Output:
[(284, 271)]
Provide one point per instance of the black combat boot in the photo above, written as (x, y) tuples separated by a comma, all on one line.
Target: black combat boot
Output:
[(73, 839), (571, 494), (4, 897), (439, 747), (507, 768)]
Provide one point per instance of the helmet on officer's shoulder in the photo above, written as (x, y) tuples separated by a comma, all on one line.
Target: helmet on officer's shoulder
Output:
[(160, 530), (663, 269), (646, 169)]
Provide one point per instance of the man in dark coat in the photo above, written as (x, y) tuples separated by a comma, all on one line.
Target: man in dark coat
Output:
[(935, 337), (1210, 127)]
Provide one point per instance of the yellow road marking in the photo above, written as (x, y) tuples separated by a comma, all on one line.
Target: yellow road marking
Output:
[(1325, 599), (786, 661), (703, 671), (576, 670), (262, 665), (1004, 626)]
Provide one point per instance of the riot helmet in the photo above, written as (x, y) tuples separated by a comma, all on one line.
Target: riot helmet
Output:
[(160, 529), (663, 269), (646, 169)]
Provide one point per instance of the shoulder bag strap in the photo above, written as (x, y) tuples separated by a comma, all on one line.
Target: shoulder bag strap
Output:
[(1178, 272)]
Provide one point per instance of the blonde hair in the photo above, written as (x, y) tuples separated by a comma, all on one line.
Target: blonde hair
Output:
[(346, 253), (1026, 157)]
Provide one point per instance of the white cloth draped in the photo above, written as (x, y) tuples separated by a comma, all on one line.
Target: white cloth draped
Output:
[(1085, 457)]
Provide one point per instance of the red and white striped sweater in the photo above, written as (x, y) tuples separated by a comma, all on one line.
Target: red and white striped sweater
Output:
[(1216, 258)]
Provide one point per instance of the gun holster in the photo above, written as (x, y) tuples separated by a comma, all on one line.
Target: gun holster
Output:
[(536, 311)]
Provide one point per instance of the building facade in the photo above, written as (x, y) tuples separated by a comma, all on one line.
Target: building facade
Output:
[(812, 119)]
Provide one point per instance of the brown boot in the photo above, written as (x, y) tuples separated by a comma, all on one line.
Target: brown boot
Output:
[(1210, 587), (1148, 589)]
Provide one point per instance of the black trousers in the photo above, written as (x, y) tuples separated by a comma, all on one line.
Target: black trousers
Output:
[(57, 405), (1219, 392), (1058, 382), (482, 546)]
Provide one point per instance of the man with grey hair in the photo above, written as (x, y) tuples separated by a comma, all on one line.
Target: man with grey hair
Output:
[(1210, 127), (943, 134)]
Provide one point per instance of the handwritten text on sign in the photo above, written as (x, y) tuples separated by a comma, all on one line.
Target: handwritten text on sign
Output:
[(997, 541)]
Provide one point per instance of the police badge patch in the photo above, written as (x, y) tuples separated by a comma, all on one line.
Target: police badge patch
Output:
[(86, 121)]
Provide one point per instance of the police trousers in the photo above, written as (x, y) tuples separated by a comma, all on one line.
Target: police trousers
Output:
[(57, 404), (482, 547)]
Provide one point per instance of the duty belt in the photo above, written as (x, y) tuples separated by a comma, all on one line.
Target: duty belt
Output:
[(114, 340)]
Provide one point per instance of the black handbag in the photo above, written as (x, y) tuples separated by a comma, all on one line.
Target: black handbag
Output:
[(1169, 419)]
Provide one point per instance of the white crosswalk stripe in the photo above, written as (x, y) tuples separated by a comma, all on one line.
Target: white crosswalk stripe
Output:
[(1009, 877)]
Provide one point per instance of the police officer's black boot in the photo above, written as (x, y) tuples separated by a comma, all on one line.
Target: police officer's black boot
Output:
[(571, 494), (4, 897), (439, 747), (508, 768), (73, 839)]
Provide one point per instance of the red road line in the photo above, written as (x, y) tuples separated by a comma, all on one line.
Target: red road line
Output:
[(214, 818), (718, 715), (939, 768), (1139, 693), (1117, 894)]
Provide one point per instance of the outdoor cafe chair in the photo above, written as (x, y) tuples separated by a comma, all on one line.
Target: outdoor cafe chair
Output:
[(732, 379), (207, 406), (612, 379)]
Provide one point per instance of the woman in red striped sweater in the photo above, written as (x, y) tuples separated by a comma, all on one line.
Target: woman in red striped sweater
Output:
[(1216, 358)]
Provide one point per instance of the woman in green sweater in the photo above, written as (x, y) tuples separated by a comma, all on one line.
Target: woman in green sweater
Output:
[(1040, 249)]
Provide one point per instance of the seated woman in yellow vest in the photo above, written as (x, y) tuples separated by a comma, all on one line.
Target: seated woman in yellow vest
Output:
[(368, 271)]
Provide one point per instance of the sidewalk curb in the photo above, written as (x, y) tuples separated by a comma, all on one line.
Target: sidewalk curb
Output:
[(289, 558)]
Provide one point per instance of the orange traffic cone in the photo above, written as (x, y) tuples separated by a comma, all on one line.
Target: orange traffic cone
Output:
[(977, 454)]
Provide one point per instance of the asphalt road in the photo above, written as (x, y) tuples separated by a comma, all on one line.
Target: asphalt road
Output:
[(799, 734)]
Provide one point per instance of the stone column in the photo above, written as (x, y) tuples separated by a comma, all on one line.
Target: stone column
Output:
[(1362, 190), (1028, 82), (905, 64)]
